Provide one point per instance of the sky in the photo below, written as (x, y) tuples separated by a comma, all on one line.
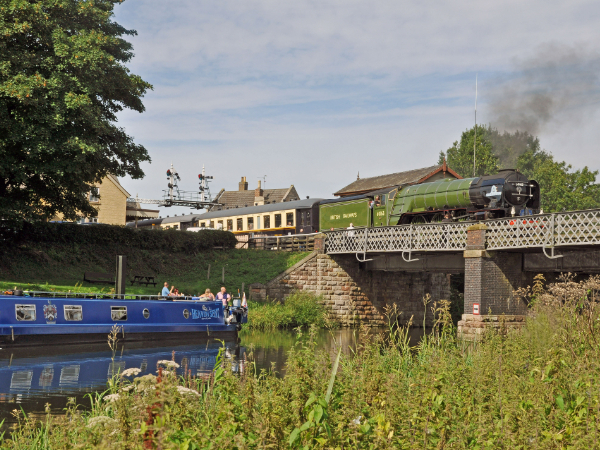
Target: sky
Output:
[(311, 93)]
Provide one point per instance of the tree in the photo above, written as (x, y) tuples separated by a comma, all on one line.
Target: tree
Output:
[(460, 156), (560, 188), (62, 82)]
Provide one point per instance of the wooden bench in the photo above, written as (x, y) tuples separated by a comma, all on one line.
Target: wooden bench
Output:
[(97, 277), (142, 279)]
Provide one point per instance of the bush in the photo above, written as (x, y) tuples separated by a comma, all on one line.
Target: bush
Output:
[(170, 240), (301, 309)]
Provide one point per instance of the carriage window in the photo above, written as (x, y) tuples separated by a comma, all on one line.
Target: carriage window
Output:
[(277, 220), (289, 219), (240, 224), (212, 224), (25, 312), (230, 224), (203, 224), (118, 312), (73, 312), (267, 220), (258, 222), (250, 223)]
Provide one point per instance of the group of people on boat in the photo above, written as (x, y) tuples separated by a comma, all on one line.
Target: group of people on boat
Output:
[(174, 293)]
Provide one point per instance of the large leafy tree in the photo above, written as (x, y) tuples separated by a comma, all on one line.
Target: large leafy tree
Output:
[(460, 156), (62, 82)]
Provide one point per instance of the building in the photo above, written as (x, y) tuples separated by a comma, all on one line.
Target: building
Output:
[(110, 199), (424, 175), (243, 198)]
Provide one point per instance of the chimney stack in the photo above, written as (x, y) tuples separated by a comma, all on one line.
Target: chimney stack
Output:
[(243, 184), (259, 198)]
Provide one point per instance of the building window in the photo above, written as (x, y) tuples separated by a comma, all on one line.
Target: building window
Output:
[(240, 224), (118, 312), (289, 219), (95, 195), (267, 220), (250, 223), (277, 220), (25, 312), (229, 224), (73, 313)]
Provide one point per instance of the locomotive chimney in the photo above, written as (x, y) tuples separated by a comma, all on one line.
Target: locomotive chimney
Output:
[(243, 184)]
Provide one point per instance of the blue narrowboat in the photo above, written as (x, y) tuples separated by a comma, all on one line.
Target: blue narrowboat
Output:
[(32, 318)]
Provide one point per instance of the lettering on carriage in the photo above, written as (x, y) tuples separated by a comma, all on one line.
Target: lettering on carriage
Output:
[(205, 313), (380, 213), (334, 217), (349, 215)]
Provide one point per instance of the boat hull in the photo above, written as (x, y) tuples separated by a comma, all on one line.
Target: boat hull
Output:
[(39, 320)]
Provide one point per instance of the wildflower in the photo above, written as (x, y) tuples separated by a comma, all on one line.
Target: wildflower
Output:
[(169, 364), (127, 388), (356, 421), (104, 421), (183, 390), (131, 372), (111, 398)]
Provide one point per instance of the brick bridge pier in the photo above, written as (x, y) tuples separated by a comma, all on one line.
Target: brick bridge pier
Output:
[(359, 292)]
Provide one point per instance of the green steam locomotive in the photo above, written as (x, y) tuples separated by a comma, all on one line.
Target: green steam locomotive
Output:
[(505, 194)]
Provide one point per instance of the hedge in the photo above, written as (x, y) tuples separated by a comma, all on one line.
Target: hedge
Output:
[(169, 240)]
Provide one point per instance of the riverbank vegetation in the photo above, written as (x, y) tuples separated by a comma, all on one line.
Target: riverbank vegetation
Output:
[(301, 309), (58, 255), (534, 388)]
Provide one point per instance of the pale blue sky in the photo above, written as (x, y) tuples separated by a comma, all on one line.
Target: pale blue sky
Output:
[(309, 93)]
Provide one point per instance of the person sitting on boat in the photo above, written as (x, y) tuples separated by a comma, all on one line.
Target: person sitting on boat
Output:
[(175, 292), (224, 296), (207, 295), (165, 290)]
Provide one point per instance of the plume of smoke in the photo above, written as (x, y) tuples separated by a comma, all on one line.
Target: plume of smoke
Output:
[(557, 86)]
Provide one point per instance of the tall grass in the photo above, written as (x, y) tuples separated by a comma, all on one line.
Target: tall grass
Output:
[(537, 388), (301, 309)]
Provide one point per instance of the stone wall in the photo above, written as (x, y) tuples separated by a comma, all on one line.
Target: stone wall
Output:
[(356, 296)]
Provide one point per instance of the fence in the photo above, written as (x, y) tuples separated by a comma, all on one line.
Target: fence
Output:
[(541, 231), (289, 243)]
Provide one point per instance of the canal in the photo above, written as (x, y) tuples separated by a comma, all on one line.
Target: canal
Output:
[(32, 377)]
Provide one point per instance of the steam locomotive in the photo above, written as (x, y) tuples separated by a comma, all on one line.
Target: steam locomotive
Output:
[(508, 193)]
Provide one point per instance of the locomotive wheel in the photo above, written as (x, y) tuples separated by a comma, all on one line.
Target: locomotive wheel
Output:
[(437, 218), (419, 220)]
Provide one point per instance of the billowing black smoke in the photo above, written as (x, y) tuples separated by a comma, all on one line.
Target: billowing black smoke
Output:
[(558, 86)]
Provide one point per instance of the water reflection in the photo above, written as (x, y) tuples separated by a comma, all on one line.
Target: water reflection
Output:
[(33, 376)]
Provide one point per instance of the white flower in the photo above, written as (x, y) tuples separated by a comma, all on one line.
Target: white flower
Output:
[(183, 390), (127, 388), (168, 363), (111, 398), (356, 421), (131, 372), (100, 420)]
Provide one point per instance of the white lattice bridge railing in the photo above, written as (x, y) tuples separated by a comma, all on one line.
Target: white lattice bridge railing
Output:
[(540, 231)]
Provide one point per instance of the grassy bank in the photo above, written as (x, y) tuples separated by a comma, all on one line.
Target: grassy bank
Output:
[(301, 309), (537, 388), (61, 266)]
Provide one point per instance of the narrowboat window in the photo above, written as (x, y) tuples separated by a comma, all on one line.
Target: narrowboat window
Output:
[(240, 224), (290, 219), (73, 312), (25, 312), (277, 220), (229, 224), (146, 313), (212, 224), (118, 312), (250, 223), (186, 314), (267, 220)]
